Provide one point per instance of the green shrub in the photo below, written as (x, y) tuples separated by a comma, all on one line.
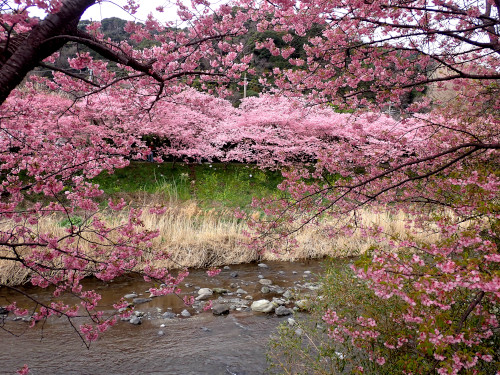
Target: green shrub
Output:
[(304, 347), (314, 352)]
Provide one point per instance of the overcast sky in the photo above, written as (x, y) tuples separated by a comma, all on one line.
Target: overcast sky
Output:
[(113, 9)]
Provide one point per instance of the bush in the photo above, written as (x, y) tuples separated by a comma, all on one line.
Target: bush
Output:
[(365, 334), (305, 347)]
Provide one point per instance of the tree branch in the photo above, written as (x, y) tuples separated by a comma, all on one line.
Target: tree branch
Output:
[(34, 49), (86, 39), (467, 312), (68, 73)]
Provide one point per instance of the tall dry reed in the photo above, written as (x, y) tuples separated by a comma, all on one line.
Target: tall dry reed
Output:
[(199, 238)]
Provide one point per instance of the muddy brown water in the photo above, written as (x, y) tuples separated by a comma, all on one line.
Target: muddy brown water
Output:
[(200, 344)]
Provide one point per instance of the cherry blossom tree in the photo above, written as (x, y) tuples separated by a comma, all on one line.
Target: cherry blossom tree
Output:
[(58, 132), (270, 131), (438, 163), (383, 49), (441, 288), (205, 50), (441, 170)]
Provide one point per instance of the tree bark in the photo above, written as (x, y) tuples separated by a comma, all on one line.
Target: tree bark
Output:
[(35, 48)]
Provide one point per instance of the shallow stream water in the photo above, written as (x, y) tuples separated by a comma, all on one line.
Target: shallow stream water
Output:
[(201, 344)]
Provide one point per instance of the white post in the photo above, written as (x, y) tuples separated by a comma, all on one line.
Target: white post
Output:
[(245, 86)]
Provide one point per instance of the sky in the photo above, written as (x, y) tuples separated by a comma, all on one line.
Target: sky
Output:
[(108, 8), (114, 9)]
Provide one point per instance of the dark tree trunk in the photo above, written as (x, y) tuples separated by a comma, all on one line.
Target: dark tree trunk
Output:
[(40, 43)]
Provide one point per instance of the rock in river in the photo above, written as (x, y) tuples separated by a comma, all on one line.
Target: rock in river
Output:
[(220, 309), (278, 301), (185, 313), (262, 305), (265, 281), (282, 311), (135, 320), (220, 290), (204, 293), (168, 315), (138, 301)]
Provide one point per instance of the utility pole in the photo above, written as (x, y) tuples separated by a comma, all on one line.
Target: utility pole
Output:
[(245, 86)]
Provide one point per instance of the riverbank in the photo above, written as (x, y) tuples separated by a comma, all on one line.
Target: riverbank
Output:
[(196, 237), (199, 228)]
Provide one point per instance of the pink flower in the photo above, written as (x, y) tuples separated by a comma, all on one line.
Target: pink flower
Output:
[(213, 272), (439, 357), (208, 305), (380, 360), (24, 370), (487, 358)]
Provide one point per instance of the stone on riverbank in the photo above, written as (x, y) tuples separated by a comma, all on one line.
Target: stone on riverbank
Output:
[(220, 309), (262, 305), (135, 320), (287, 294), (303, 304), (282, 311)]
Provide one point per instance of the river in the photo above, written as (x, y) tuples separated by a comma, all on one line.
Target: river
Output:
[(200, 344)]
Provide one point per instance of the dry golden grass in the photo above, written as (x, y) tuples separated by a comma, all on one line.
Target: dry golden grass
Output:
[(198, 238)]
